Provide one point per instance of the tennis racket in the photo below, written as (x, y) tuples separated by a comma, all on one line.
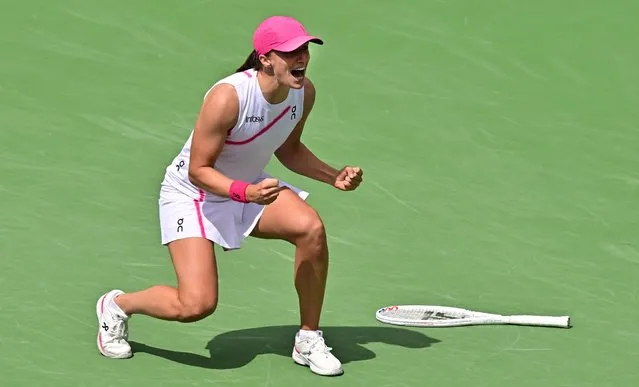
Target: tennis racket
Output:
[(445, 316)]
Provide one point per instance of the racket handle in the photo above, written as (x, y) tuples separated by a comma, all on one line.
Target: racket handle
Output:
[(546, 321)]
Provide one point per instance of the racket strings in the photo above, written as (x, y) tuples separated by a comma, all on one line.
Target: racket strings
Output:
[(419, 314)]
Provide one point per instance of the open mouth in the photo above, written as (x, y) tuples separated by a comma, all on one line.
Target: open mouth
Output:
[(298, 72)]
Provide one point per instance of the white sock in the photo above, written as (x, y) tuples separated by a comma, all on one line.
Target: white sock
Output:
[(304, 334), (117, 309)]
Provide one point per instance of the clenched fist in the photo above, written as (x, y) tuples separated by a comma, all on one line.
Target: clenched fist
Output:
[(348, 178)]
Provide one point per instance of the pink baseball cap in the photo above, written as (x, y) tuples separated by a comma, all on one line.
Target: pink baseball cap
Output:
[(281, 33)]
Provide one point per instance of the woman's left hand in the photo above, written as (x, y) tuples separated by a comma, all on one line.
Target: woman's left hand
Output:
[(348, 178)]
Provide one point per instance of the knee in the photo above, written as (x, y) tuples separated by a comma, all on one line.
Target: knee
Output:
[(312, 234), (196, 308)]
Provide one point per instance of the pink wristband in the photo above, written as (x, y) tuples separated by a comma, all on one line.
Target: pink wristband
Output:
[(237, 191)]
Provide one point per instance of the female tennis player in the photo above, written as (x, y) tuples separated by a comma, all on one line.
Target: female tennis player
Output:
[(216, 192)]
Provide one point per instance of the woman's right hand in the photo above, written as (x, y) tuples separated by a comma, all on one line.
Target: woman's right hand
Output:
[(264, 192)]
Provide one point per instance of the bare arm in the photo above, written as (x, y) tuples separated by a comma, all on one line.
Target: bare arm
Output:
[(294, 155), (218, 114)]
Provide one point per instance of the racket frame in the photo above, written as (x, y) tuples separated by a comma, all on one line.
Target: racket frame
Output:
[(467, 317)]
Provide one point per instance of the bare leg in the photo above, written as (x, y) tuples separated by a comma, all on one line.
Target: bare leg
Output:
[(196, 294), (292, 219)]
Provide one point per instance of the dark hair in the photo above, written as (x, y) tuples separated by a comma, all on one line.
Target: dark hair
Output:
[(251, 62)]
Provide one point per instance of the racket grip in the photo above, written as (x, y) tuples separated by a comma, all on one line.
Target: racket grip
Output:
[(545, 321)]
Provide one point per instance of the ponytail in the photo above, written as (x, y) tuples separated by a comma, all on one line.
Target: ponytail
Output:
[(251, 62)]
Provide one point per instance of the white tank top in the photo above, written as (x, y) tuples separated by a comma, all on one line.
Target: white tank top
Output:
[(261, 128)]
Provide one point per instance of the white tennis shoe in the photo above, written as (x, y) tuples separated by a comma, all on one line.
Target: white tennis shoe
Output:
[(113, 329), (311, 350)]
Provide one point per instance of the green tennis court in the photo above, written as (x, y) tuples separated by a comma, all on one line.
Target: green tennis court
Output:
[(499, 142)]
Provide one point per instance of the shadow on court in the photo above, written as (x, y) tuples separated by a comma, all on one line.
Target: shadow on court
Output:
[(236, 349)]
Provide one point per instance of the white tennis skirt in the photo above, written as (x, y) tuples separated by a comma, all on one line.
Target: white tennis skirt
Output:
[(226, 223)]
